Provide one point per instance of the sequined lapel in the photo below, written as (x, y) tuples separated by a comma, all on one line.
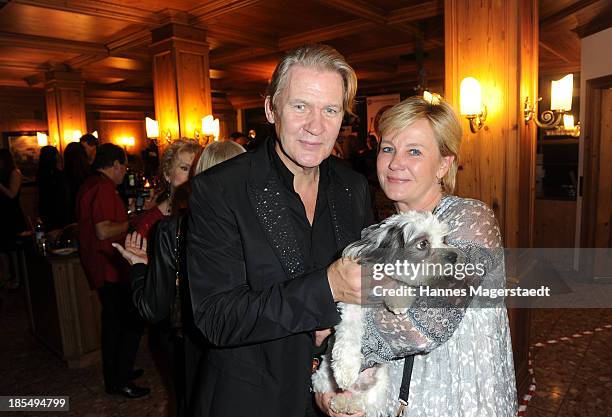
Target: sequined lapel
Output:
[(272, 212), (340, 205)]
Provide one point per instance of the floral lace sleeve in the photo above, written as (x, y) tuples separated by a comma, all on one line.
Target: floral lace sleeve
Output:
[(431, 321)]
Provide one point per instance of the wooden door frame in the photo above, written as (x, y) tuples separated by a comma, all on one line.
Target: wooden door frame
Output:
[(592, 141)]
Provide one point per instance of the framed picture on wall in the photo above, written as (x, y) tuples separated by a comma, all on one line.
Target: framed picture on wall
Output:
[(25, 150)]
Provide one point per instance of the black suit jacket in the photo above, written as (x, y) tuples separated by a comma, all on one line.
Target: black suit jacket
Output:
[(250, 295)]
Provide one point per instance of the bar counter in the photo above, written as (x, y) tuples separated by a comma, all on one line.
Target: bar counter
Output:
[(64, 312)]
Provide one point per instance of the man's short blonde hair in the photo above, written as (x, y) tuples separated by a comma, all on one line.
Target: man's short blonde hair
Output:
[(443, 121), (316, 56)]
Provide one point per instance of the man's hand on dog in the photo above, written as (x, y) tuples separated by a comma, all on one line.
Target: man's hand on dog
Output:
[(323, 401), (321, 335), (344, 277)]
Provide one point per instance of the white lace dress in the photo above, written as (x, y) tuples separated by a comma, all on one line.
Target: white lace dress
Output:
[(468, 368)]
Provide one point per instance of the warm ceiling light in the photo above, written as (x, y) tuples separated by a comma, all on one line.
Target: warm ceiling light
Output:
[(470, 98)]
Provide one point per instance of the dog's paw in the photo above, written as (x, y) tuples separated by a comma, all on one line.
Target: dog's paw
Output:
[(344, 404), (346, 370)]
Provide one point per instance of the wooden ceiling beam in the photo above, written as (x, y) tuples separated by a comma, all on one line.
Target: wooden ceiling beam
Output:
[(51, 44), (98, 71), (553, 51), (21, 66), (216, 8), (97, 9), (132, 40), (240, 36), (389, 51), (360, 8), (566, 12), (231, 57), (420, 11), (325, 33), (556, 69)]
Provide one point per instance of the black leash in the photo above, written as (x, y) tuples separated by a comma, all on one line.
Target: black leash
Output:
[(405, 387)]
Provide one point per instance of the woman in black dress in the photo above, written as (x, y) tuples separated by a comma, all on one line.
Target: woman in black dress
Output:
[(53, 193), (12, 221)]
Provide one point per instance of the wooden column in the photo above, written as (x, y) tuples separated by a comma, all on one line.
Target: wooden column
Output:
[(496, 42), (181, 80), (65, 106)]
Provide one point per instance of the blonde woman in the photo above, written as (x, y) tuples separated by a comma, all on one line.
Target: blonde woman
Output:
[(467, 368)]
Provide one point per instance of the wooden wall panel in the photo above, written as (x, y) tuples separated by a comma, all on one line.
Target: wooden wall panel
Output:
[(496, 42), (113, 130)]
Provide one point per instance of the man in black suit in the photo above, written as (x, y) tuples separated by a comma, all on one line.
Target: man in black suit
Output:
[(265, 231)]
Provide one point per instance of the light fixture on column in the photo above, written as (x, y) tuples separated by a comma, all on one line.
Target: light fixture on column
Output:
[(42, 139), (152, 127), (560, 102), (470, 97), (72, 135), (432, 98), (210, 128), (95, 134)]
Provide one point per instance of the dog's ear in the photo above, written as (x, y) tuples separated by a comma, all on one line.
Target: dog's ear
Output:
[(393, 238)]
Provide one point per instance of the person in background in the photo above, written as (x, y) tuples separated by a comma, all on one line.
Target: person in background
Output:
[(53, 192), (102, 220), (90, 144), (239, 138), (154, 286), (175, 167), (264, 233), (76, 171), (12, 221), (150, 159)]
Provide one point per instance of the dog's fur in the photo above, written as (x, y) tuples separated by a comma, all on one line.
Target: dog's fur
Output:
[(374, 390)]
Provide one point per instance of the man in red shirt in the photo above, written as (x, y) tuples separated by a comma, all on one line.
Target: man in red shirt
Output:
[(102, 220)]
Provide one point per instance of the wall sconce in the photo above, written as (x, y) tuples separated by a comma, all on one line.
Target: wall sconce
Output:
[(152, 127), (95, 134), (432, 98), (560, 102), (127, 141), (42, 139), (471, 106), (210, 128), (72, 135)]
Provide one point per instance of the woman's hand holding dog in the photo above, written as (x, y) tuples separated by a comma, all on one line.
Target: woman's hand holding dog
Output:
[(344, 277), (323, 401)]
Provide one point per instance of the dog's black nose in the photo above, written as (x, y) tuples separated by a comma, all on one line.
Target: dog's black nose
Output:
[(451, 257)]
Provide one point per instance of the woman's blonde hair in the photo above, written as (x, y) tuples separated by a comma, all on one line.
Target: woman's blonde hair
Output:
[(216, 153), (319, 57), (443, 121)]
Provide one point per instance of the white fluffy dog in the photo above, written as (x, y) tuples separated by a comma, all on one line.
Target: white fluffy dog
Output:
[(374, 390)]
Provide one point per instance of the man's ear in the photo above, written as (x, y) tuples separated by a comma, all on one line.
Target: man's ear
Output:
[(269, 111)]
